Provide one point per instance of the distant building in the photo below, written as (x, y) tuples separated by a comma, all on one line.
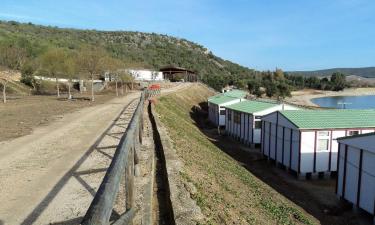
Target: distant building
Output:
[(146, 75), (243, 120), (175, 73), (216, 110), (305, 141), (356, 171)]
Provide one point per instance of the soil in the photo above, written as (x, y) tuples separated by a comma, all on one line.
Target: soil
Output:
[(20, 115)]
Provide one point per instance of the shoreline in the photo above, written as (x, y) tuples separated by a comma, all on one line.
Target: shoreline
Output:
[(304, 97)]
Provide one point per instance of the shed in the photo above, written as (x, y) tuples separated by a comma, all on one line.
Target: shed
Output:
[(216, 110), (243, 120), (305, 141), (175, 73), (356, 171)]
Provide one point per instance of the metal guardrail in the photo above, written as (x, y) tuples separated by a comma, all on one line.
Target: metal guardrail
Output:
[(100, 210)]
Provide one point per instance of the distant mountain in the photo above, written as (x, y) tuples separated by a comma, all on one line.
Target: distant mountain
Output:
[(368, 72)]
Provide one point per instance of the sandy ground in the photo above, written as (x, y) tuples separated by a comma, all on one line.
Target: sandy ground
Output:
[(24, 113), (304, 97), (51, 175)]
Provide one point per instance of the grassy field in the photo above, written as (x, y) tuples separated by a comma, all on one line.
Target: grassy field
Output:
[(226, 192)]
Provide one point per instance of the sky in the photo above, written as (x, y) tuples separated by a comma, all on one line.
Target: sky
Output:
[(260, 34)]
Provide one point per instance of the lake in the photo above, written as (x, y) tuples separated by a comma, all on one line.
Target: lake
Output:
[(354, 102)]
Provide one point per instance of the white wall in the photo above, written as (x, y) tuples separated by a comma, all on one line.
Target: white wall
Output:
[(249, 134), (349, 166), (146, 75), (214, 113), (272, 146), (241, 131)]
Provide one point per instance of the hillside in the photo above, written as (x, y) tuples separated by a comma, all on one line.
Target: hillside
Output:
[(136, 49), (226, 191), (368, 72)]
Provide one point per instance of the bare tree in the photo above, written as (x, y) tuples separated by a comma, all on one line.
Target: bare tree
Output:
[(71, 70), (113, 66), (53, 62), (4, 78), (92, 60), (125, 77), (11, 57)]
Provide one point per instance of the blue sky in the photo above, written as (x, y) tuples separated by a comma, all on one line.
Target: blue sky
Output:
[(260, 34)]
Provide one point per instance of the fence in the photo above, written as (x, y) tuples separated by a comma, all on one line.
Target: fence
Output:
[(125, 158)]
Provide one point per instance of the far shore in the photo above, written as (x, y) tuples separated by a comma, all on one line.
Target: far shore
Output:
[(304, 97)]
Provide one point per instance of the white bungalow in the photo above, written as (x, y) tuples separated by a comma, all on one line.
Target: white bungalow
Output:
[(216, 110), (243, 120), (304, 141), (356, 171)]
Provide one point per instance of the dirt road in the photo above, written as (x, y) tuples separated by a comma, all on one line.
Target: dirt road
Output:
[(51, 175)]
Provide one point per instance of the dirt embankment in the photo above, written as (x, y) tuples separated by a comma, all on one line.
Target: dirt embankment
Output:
[(303, 97)]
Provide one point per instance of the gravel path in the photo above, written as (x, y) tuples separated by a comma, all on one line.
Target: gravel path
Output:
[(51, 175)]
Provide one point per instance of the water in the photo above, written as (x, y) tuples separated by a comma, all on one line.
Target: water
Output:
[(355, 102)]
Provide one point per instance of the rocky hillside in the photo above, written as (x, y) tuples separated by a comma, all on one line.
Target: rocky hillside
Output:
[(136, 49)]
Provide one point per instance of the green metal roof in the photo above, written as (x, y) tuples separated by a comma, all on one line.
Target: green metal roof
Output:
[(251, 106), (327, 119), (226, 97)]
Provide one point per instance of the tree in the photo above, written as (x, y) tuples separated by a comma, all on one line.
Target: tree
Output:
[(12, 56), (338, 81), (113, 66), (53, 62), (283, 90), (91, 61), (4, 78), (124, 77), (71, 70)]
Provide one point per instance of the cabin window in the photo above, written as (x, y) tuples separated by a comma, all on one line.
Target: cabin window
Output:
[(237, 117), (222, 112), (353, 132), (258, 124), (323, 141)]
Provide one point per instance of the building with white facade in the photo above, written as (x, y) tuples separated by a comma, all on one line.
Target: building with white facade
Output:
[(356, 171), (216, 110), (305, 141), (243, 120), (146, 75)]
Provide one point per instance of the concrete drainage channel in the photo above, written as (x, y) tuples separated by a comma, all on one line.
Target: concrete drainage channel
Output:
[(162, 206), (162, 197)]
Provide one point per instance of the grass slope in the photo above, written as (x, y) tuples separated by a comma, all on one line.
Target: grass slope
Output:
[(226, 192)]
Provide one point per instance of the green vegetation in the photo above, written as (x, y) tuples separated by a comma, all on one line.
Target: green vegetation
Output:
[(337, 82), (363, 72), (226, 192), (30, 48)]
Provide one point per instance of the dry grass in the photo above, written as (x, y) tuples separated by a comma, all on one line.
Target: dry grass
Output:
[(226, 192)]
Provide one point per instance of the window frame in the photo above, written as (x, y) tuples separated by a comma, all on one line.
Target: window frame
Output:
[(349, 131), (325, 137)]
